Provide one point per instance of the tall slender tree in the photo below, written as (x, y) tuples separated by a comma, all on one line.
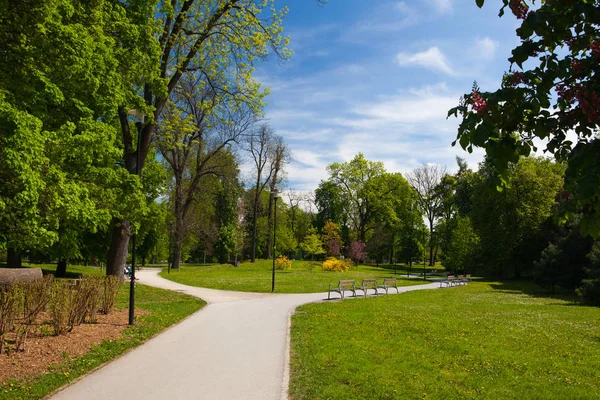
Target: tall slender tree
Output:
[(425, 181)]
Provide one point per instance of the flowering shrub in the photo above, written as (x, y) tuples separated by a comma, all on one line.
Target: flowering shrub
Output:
[(333, 264), (282, 262)]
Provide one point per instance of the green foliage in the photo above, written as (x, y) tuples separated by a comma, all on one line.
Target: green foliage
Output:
[(554, 92), (57, 102), (513, 225), (590, 288), (312, 244), (463, 249)]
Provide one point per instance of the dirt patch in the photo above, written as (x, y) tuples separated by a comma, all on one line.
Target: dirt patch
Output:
[(43, 350)]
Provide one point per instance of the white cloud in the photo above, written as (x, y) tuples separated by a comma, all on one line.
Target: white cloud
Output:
[(442, 5), (485, 48), (431, 58)]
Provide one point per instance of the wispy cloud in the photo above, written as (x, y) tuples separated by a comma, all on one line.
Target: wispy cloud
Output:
[(441, 6), (485, 48), (431, 58)]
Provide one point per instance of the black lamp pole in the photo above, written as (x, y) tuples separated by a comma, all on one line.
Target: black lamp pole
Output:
[(274, 194), (139, 124)]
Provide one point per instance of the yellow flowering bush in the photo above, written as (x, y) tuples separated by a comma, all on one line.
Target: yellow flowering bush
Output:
[(282, 262), (333, 264)]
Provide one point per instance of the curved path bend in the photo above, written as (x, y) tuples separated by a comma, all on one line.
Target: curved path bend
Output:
[(235, 348)]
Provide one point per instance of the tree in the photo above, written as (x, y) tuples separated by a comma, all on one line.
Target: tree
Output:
[(356, 251), (551, 91), (351, 179), (312, 244), (514, 225), (425, 181), (279, 157), (197, 128), (58, 158), (260, 146), (463, 249), (332, 241), (217, 39)]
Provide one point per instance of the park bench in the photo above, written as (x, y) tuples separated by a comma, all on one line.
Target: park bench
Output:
[(389, 283), (449, 281), (343, 286), (369, 284)]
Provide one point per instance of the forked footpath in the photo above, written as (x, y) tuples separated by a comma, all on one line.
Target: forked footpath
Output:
[(236, 347)]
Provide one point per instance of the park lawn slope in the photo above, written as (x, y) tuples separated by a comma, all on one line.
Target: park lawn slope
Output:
[(483, 340), (164, 308), (256, 277)]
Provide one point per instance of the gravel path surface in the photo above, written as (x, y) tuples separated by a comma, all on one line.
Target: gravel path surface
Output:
[(237, 347)]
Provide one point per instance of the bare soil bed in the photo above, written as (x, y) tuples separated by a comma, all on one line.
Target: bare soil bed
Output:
[(43, 350)]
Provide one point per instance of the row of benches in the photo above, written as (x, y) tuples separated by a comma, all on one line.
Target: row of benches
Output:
[(367, 284), (452, 280)]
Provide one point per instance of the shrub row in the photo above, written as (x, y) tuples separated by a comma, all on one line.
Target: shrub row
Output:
[(67, 302)]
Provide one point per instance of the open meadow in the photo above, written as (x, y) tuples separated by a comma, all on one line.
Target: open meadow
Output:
[(304, 277), (492, 340)]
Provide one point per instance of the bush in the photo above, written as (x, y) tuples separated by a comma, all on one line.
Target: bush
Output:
[(590, 291), (282, 262), (10, 299), (333, 264), (91, 289), (35, 296), (109, 294)]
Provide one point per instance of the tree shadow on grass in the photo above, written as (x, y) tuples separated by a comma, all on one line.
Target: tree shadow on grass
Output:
[(530, 288)]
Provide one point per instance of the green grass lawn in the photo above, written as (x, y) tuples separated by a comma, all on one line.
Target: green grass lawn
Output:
[(165, 308), (256, 277), (484, 340)]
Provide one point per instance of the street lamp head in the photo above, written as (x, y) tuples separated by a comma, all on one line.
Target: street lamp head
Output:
[(275, 194)]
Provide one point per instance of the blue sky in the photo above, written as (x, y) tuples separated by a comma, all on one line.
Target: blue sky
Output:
[(378, 77)]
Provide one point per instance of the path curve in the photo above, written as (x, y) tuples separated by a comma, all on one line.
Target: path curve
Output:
[(235, 348)]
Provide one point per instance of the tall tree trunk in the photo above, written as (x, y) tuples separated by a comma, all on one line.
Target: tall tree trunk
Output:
[(13, 258), (61, 268), (179, 219), (119, 248)]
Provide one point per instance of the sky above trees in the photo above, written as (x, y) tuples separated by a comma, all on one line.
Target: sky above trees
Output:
[(379, 77)]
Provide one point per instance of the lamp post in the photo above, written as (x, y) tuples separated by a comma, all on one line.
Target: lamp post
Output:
[(139, 123), (275, 195)]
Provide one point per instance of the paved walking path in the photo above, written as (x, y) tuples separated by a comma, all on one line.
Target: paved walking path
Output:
[(236, 348)]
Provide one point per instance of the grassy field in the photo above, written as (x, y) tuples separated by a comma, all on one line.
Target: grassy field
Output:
[(256, 277), (485, 341), (165, 308)]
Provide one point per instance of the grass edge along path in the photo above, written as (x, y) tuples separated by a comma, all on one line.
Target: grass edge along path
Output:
[(302, 278), (165, 308), (485, 340)]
